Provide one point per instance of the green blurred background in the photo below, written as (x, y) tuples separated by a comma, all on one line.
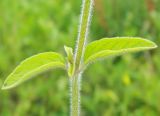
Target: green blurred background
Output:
[(124, 86)]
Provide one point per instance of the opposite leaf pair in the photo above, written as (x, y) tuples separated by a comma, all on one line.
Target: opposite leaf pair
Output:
[(95, 50)]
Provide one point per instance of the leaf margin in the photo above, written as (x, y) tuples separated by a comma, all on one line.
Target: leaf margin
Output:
[(131, 50), (39, 70)]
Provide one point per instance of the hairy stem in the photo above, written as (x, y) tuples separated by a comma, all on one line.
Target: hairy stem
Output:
[(75, 95), (83, 31), (75, 79)]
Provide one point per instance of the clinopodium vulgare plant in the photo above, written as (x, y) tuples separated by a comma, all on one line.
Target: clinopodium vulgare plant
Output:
[(76, 61)]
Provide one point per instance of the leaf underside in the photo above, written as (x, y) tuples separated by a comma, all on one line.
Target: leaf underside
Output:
[(32, 67), (107, 47)]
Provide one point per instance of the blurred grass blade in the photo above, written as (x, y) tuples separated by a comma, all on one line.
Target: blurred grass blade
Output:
[(107, 47), (32, 67)]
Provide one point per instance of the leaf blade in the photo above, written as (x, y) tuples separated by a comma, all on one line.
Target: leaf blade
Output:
[(115, 46), (33, 66)]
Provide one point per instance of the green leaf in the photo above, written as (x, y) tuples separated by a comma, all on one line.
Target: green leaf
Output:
[(32, 67), (70, 59), (69, 52), (115, 46)]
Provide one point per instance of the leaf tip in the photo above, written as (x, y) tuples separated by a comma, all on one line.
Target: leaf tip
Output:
[(149, 44), (153, 44), (4, 86), (7, 86)]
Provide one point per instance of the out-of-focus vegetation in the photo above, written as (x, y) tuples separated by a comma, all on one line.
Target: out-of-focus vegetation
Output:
[(123, 86)]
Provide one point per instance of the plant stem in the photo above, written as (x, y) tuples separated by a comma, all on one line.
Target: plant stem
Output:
[(83, 31), (75, 95), (75, 79)]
